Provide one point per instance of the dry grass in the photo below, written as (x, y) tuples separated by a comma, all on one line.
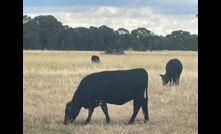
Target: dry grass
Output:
[(51, 77)]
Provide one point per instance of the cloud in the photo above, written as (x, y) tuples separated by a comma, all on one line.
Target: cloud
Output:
[(161, 6), (116, 17)]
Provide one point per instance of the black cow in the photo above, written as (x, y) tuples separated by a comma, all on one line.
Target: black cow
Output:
[(173, 71), (113, 87), (95, 59)]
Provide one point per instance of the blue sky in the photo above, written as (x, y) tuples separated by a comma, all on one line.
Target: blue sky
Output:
[(164, 6), (155, 15), (72, 2)]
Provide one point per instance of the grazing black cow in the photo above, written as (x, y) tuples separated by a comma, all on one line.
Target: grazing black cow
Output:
[(173, 71), (113, 87), (95, 59)]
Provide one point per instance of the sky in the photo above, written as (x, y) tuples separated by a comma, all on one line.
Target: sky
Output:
[(159, 16)]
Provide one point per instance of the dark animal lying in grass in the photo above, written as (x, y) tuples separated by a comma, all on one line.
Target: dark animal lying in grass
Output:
[(95, 59)]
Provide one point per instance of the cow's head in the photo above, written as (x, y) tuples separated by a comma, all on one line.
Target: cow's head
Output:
[(165, 79), (71, 112)]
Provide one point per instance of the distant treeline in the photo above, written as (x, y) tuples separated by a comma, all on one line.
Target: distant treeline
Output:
[(47, 33)]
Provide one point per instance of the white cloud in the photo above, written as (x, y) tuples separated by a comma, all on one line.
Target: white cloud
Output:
[(116, 17)]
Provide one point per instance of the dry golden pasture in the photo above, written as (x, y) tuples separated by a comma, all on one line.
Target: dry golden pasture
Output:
[(51, 77)]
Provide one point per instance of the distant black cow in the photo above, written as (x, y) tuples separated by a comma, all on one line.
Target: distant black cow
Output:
[(95, 59), (113, 87), (173, 70)]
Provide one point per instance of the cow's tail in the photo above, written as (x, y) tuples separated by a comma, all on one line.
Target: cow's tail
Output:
[(145, 95), (145, 107), (146, 90)]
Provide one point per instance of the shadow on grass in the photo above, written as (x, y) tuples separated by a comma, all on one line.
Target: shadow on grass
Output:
[(99, 122)]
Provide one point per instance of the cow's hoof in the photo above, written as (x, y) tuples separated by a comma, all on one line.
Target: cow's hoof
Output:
[(86, 122), (131, 122)]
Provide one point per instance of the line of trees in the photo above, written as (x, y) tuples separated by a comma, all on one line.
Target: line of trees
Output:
[(47, 33)]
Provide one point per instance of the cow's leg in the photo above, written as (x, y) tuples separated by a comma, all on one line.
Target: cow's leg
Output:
[(174, 80), (135, 110), (145, 110), (173, 77), (105, 110), (90, 112), (177, 82), (170, 81)]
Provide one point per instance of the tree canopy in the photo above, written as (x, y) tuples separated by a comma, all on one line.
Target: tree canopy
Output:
[(46, 32)]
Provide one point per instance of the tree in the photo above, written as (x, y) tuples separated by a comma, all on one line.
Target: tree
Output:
[(96, 39), (109, 37), (50, 31), (143, 37), (181, 40), (46, 32), (123, 39), (26, 19), (31, 38)]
